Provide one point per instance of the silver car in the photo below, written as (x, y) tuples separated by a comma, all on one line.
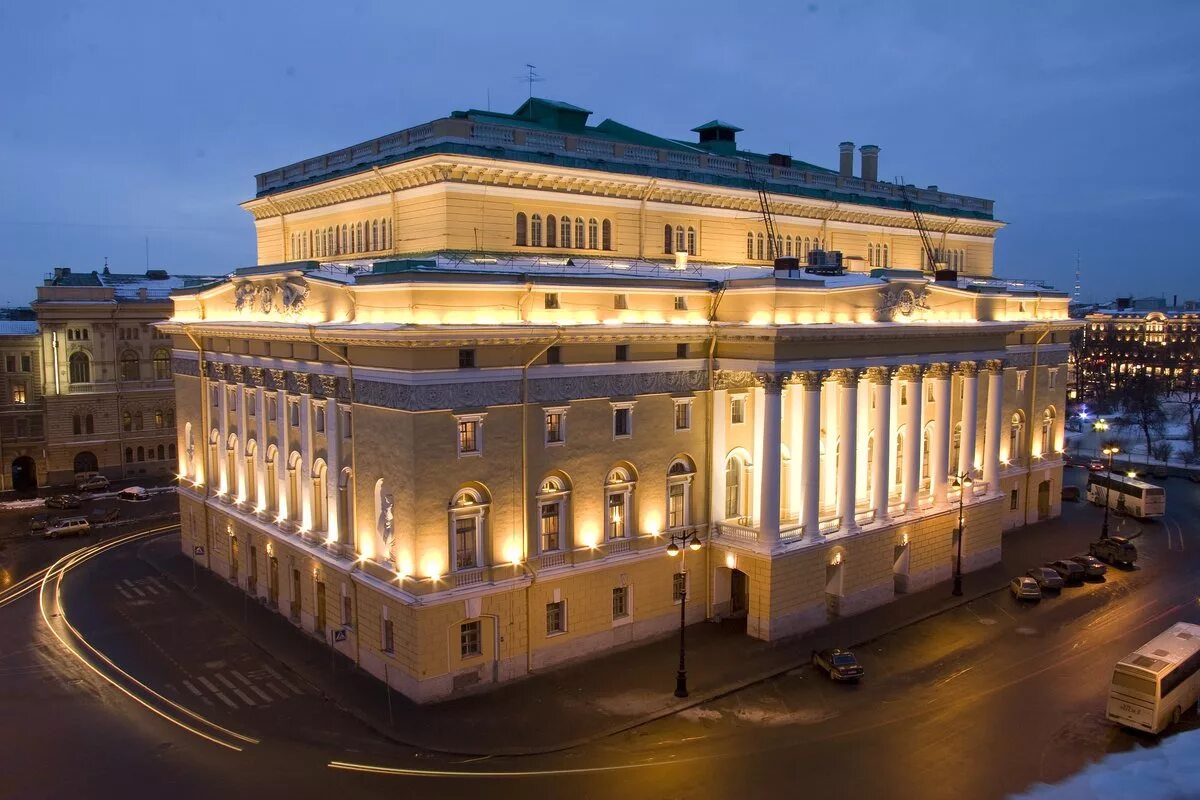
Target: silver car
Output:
[(1024, 587), (1046, 578), (1092, 566)]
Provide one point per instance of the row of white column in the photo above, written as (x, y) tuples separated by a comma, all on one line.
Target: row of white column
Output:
[(808, 486)]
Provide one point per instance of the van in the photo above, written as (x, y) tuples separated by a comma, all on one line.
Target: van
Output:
[(67, 526)]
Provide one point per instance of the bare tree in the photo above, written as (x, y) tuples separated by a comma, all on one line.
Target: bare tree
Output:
[(1186, 397), (1162, 451), (1142, 400)]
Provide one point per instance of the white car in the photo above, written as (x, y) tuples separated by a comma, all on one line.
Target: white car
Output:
[(67, 526)]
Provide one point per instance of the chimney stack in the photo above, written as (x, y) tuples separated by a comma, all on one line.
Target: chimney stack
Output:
[(846, 160), (870, 162)]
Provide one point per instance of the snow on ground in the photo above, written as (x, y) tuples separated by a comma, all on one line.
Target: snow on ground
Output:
[(1166, 772)]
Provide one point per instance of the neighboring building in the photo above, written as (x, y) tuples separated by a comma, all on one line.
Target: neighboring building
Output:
[(466, 464), (22, 406), (1117, 342)]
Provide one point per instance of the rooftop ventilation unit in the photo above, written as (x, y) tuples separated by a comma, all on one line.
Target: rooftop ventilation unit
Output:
[(825, 262)]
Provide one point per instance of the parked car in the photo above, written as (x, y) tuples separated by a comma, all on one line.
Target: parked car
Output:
[(1046, 578), (1069, 570), (1092, 566), (1097, 466), (68, 526), (96, 483), (133, 494), (83, 477), (63, 501), (1114, 550), (104, 515), (1024, 587), (1070, 493), (839, 664), (38, 522), (1160, 471)]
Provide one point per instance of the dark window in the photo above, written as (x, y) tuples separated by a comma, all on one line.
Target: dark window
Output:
[(553, 355), (668, 240), (622, 352), (551, 231), (389, 639), (522, 230), (76, 424), (621, 426), (620, 301), (680, 303), (10, 363), (552, 300), (466, 358), (620, 602), (26, 363), (469, 639), (681, 350), (556, 617), (1012, 501)]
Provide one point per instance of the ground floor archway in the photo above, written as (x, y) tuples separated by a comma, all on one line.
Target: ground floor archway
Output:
[(731, 594), (86, 461), (24, 474), (1044, 500)]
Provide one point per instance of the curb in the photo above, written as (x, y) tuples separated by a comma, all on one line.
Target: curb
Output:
[(621, 727)]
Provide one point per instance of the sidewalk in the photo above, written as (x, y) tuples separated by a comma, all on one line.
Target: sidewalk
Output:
[(578, 703)]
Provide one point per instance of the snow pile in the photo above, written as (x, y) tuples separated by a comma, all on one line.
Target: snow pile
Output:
[(1170, 770)]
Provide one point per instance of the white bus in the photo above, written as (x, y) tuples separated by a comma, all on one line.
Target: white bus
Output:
[(1127, 495), (1158, 682)]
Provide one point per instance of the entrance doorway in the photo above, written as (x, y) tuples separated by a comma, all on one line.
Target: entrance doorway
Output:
[(233, 559), (1044, 500), (320, 626), (24, 474), (739, 594), (86, 462), (900, 564), (273, 582)]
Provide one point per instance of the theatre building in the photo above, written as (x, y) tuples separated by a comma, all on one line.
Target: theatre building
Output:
[(487, 367)]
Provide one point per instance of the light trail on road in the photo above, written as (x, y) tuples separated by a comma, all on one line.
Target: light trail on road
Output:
[(55, 574)]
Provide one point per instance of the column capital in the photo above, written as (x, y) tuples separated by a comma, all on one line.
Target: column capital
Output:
[(994, 365), (238, 372), (329, 385), (938, 371), (845, 377), (257, 376), (770, 381), (967, 368), (303, 382), (811, 380), (909, 372), (278, 379), (882, 375), (734, 379)]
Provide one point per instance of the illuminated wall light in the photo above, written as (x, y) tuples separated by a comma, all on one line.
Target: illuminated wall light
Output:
[(904, 540), (512, 553), (837, 559), (651, 523), (731, 560), (590, 535), (760, 318), (431, 566), (405, 566)]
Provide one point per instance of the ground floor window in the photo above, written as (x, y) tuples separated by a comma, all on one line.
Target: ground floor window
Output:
[(469, 638), (620, 602), (556, 618)]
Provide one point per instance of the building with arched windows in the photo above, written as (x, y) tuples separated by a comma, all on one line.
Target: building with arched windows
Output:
[(472, 448)]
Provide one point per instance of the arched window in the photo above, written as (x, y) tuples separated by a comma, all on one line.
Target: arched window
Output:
[(162, 451), (359, 243), (162, 364), (680, 241), (131, 366), (955, 448), (330, 241), (170, 414), (870, 255), (535, 231), (925, 453), (736, 498), (551, 231), (126, 421), (885, 255), (468, 512), (618, 503), (1047, 431), (1016, 429), (759, 248), (553, 498), (89, 424), (293, 485), (668, 240), (679, 492), (691, 241), (79, 368), (565, 232), (387, 236), (171, 451), (579, 233), (606, 235), (128, 455), (374, 239), (787, 246), (158, 418), (320, 496), (749, 246), (778, 251), (522, 229), (870, 462), (345, 245), (251, 471), (271, 484), (593, 234)]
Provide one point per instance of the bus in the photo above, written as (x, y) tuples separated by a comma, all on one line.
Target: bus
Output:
[(1155, 684), (1127, 495)]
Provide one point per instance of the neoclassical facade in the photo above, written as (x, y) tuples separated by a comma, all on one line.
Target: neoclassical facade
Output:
[(461, 467)]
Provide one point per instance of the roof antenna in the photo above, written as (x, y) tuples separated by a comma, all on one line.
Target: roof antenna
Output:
[(531, 78)]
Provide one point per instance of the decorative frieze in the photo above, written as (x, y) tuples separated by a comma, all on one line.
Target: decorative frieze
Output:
[(437, 396), (734, 379), (302, 382), (329, 385), (185, 366), (258, 376), (616, 385), (237, 372), (278, 378)]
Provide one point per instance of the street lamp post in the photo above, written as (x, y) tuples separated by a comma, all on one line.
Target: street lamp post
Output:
[(1109, 451), (962, 483), (674, 549)]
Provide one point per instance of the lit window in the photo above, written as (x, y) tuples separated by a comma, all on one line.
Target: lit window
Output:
[(552, 300), (620, 602), (737, 410), (556, 432), (469, 639), (556, 618), (468, 437), (18, 393)]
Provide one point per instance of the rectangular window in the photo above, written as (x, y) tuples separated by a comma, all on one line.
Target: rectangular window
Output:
[(319, 420), (272, 409), (347, 424), (26, 363), (550, 527), (904, 394), (680, 303), (552, 300), (683, 416), (1012, 500), (465, 542), (466, 358), (622, 352), (622, 422), (469, 639), (676, 516), (620, 606), (621, 301), (737, 410), (681, 350), (347, 611), (294, 414), (1052, 378), (18, 393), (617, 515), (10, 363), (468, 441), (251, 406), (389, 636), (553, 355), (556, 618), (929, 393), (678, 586), (554, 427)]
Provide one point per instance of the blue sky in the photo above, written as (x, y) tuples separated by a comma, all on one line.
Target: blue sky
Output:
[(129, 120)]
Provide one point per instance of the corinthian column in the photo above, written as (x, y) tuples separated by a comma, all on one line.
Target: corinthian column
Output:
[(939, 440), (881, 392), (970, 417), (910, 393), (769, 448), (810, 454), (847, 454), (991, 434)]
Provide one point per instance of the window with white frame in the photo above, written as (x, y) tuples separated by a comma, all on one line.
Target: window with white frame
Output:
[(1021, 373), (1052, 378), (620, 603), (468, 513), (470, 640), (470, 434), (683, 413), (556, 425), (737, 409), (622, 419), (618, 500), (553, 496), (679, 493), (556, 618)]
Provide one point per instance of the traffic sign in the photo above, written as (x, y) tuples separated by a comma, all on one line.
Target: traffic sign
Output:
[(198, 550), (339, 634)]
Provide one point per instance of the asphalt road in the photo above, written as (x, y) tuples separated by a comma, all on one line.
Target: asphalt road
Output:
[(979, 702)]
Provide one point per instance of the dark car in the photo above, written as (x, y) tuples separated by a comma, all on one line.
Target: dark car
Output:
[(1114, 550), (1046, 577), (39, 522), (63, 501), (103, 515), (838, 664), (1070, 493), (1069, 570), (1096, 466), (1092, 566)]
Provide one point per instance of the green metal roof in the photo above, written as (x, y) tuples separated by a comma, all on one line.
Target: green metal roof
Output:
[(716, 123)]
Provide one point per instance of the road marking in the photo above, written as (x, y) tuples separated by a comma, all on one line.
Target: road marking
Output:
[(265, 697), (282, 679), (159, 584), (226, 701), (124, 593), (212, 687), (192, 688), (228, 683), (282, 694), (150, 588), (245, 698), (240, 676)]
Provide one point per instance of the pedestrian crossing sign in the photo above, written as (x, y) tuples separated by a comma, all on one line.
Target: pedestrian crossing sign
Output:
[(339, 634), (198, 550)]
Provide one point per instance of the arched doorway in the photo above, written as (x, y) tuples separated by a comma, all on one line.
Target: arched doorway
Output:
[(24, 474), (731, 594), (86, 462), (1044, 500)]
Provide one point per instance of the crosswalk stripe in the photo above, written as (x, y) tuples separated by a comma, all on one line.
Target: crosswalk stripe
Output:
[(265, 697), (191, 688), (240, 676), (226, 700), (207, 702), (282, 694), (291, 686), (150, 589), (245, 698), (124, 593), (212, 687), (228, 683), (137, 591)]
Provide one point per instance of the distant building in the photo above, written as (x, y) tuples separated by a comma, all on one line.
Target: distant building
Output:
[(22, 406), (1116, 342)]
